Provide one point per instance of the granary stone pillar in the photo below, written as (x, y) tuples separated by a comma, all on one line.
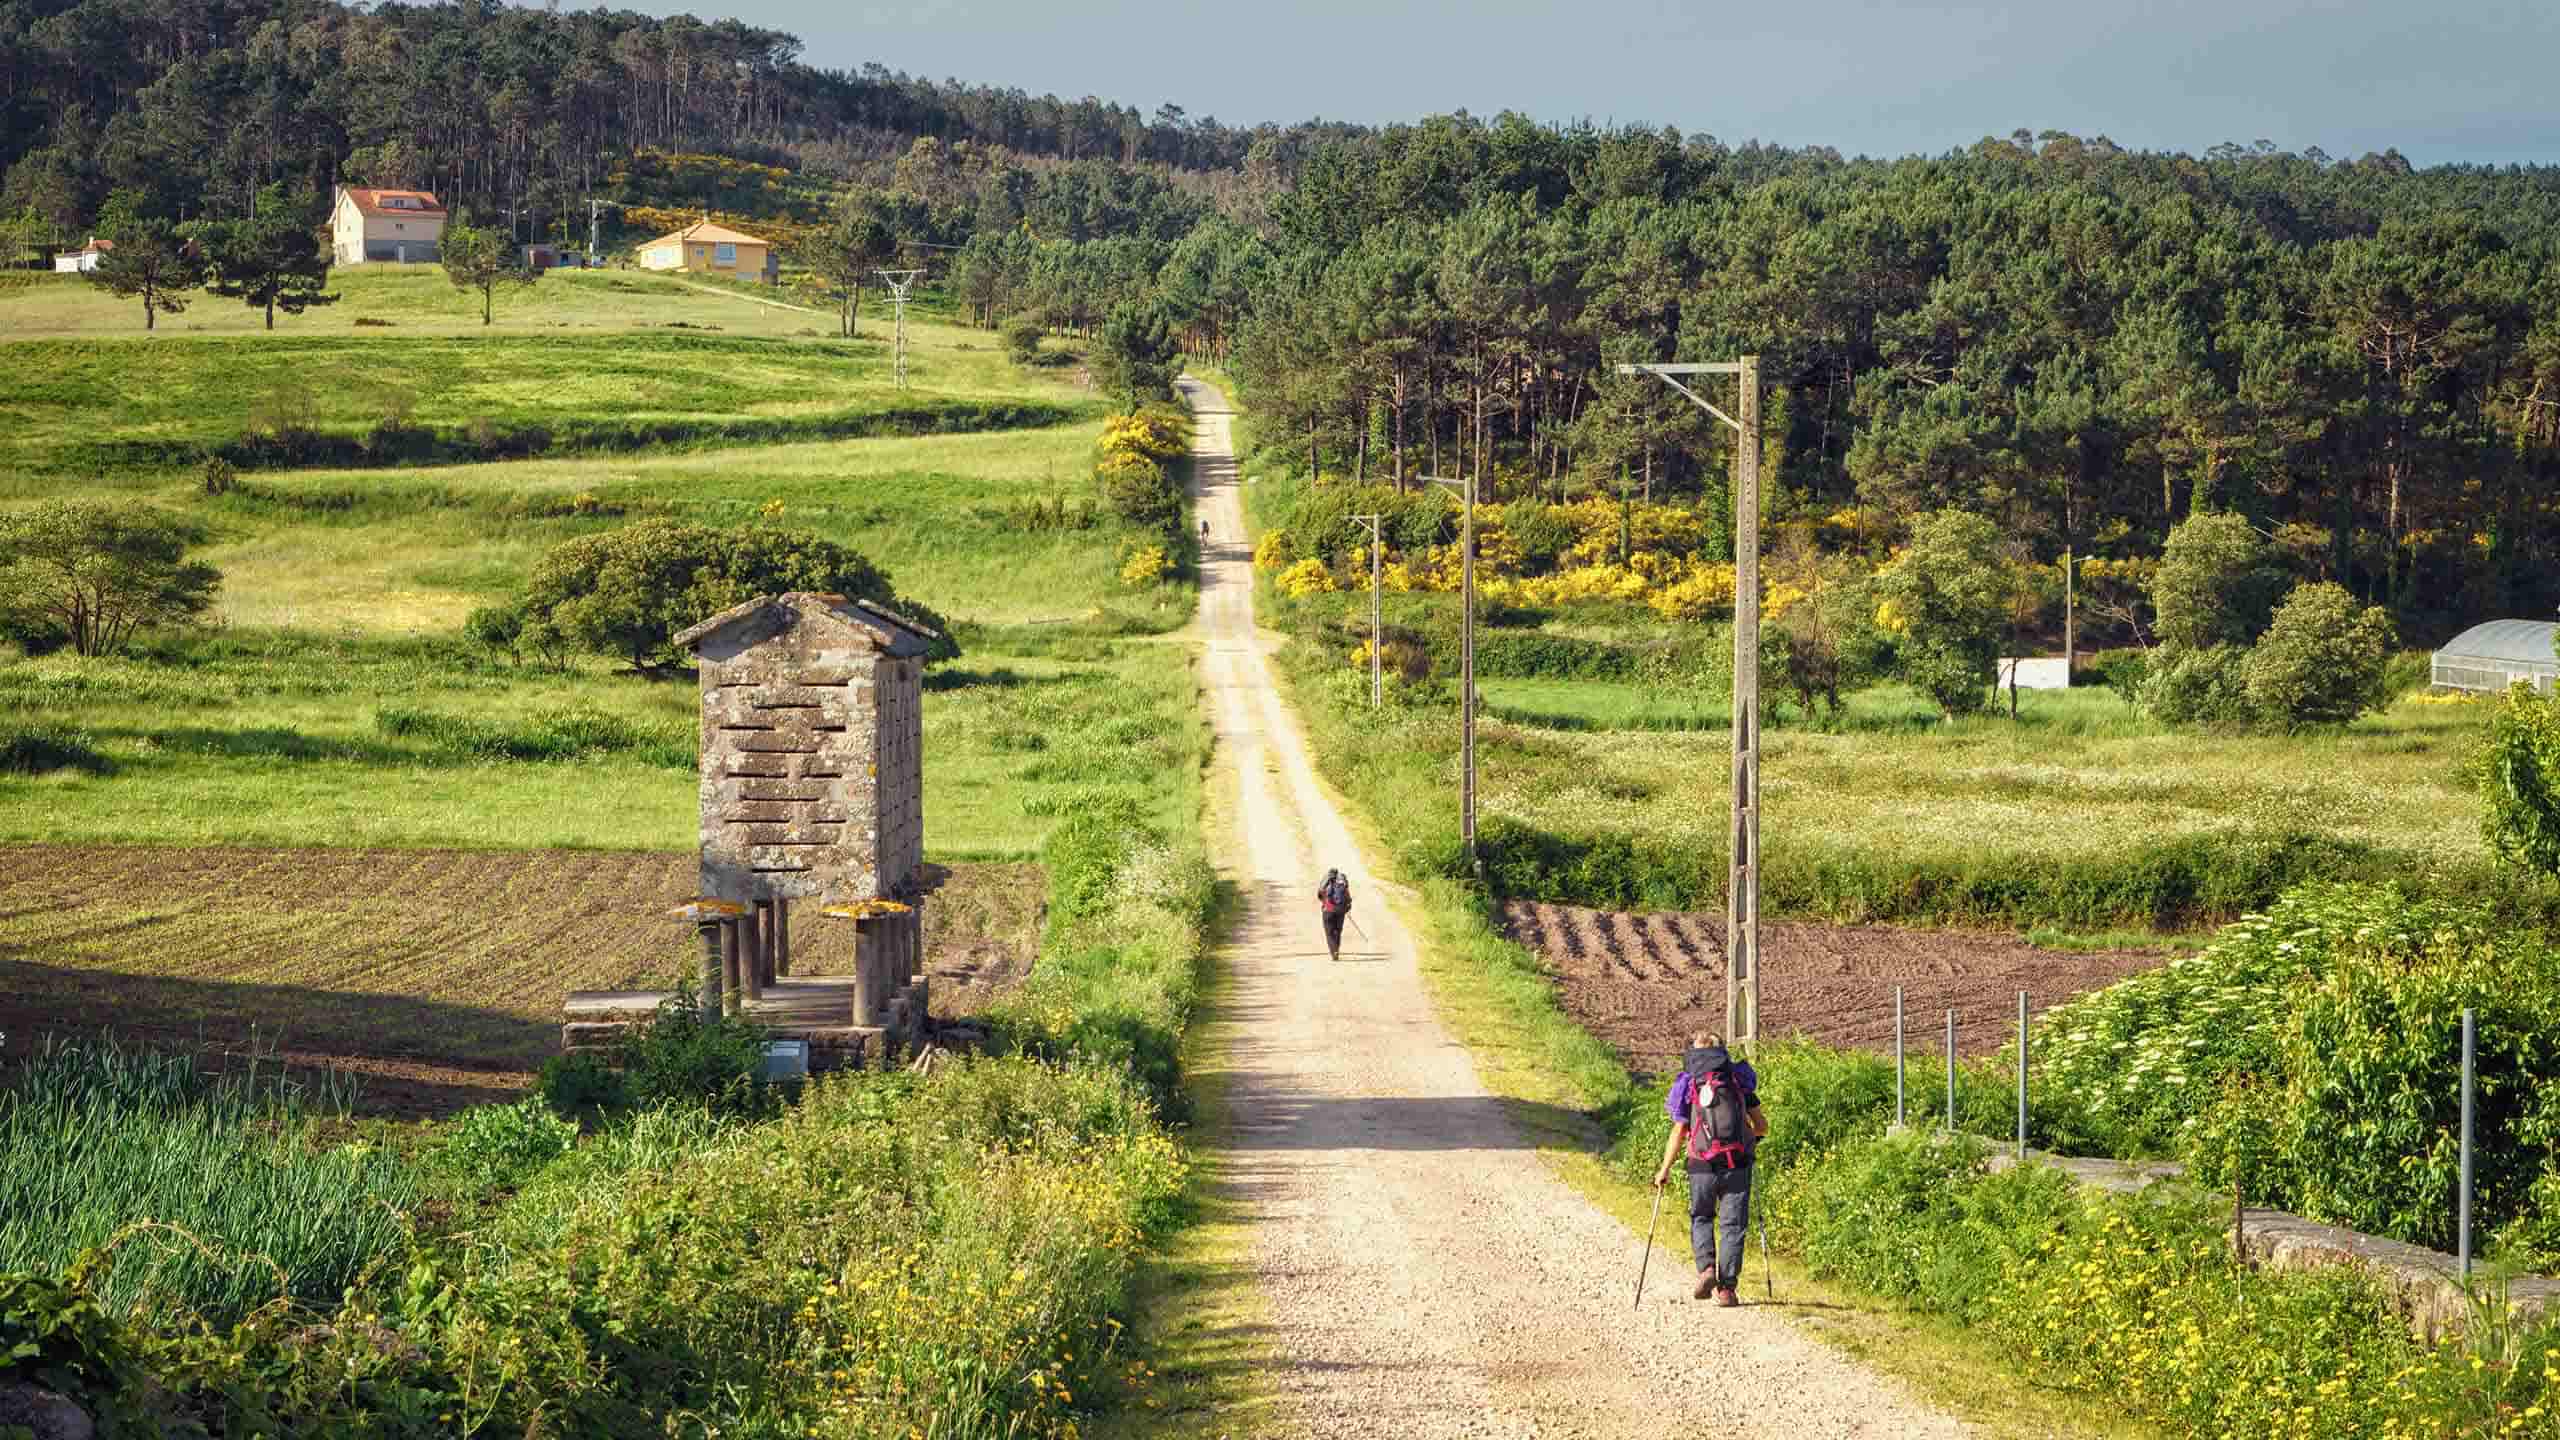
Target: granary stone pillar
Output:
[(713, 922)]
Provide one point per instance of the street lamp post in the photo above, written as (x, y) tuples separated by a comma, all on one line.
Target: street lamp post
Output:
[(1466, 660), (1742, 874)]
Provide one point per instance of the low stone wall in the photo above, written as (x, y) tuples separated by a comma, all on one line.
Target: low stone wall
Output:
[(2424, 1283)]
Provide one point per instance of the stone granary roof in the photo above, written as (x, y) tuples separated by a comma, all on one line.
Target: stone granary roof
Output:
[(894, 633)]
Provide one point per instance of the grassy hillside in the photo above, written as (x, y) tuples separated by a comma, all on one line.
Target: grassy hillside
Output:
[(580, 361), (411, 298), (337, 702)]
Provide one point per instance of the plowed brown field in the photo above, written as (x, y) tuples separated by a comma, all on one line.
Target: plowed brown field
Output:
[(1644, 983), (435, 975)]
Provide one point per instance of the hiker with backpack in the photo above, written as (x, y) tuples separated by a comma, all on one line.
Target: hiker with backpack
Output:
[(1714, 1106), (1333, 899)]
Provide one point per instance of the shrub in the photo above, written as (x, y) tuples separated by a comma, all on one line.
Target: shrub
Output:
[(219, 475), (1946, 601), (29, 750), (2322, 660), (101, 572), (1144, 565), (2125, 673), (679, 1059), (2199, 687), (497, 627), (1140, 491), (2518, 773), (581, 1082), (1307, 577), (1022, 335), (627, 592), (2367, 1134), (2216, 584), (501, 1146)]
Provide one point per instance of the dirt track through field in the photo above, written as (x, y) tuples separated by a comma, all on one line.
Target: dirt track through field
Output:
[(1425, 1274)]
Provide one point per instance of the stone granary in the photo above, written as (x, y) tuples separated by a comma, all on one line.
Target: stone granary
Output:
[(812, 786)]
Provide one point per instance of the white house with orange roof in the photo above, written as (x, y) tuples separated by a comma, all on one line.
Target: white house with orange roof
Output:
[(713, 250), (385, 227), (84, 259)]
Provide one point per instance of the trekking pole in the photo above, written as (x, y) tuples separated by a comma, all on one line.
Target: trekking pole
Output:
[(1768, 1281), (1355, 928), (1648, 1246)]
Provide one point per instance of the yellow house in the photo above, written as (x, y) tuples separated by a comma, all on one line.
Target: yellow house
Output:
[(400, 227), (713, 250)]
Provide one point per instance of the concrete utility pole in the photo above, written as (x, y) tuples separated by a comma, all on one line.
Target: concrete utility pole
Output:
[(899, 282), (1742, 875), (2070, 635), (1466, 656), (595, 211), (1377, 610)]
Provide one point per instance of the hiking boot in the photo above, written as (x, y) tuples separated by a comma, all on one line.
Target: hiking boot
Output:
[(1706, 1284), (1725, 1298)]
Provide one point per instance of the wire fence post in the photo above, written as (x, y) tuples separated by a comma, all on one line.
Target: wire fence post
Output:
[(2022, 1076), (1898, 1115), (2462, 1221), (1951, 1071)]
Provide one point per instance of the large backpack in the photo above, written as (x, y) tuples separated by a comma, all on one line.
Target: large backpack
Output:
[(1719, 1111), (1335, 896)]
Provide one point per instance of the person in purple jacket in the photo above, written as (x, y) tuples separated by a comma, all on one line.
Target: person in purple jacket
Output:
[(1716, 1123)]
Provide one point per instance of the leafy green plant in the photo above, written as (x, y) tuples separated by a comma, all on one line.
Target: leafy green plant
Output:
[(680, 1059), (102, 572), (2321, 661), (627, 592), (499, 1146), (1946, 602), (2217, 583), (582, 1083), (43, 749), (249, 1205), (2518, 774), (2208, 686)]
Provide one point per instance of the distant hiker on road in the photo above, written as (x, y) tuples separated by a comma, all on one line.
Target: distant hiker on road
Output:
[(1204, 532), (1333, 897), (1716, 1122)]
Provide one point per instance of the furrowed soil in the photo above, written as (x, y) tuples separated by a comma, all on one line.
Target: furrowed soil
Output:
[(435, 976), (1644, 983)]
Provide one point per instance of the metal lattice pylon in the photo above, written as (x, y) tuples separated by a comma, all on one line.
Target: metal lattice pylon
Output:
[(900, 282)]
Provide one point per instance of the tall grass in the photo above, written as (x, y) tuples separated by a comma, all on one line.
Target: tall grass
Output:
[(245, 1204)]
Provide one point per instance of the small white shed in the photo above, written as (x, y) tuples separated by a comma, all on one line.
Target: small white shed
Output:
[(2493, 655), (2036, 672)]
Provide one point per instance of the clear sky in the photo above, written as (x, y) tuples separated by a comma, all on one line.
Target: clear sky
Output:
[(2443, 80)]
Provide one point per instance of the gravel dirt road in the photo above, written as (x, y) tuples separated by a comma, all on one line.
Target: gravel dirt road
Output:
[(1425, 1275)]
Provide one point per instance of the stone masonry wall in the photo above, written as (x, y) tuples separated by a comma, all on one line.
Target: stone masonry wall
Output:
[(899, 791), (790, 722)]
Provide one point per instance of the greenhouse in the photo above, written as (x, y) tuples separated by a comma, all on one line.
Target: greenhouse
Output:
[(2498, 654)]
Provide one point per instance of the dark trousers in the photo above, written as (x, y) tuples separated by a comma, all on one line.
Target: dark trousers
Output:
[(1719, 1220), (1333, 931)]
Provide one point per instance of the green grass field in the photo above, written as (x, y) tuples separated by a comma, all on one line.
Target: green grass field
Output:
[(584, 358), (418, 297), (414, 550), (323, 708), (2081, 816)]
